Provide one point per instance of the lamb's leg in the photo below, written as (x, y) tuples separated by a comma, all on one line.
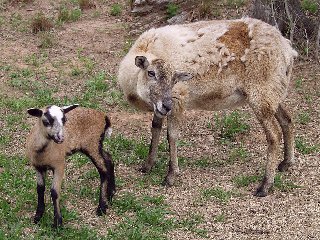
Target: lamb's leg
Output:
[(287, 127), (172, 136), (41, 172), (55, 195), (155, 138), (269, 123), (105, 167)]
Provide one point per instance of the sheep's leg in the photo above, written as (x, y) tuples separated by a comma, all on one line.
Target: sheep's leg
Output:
[(155, 138), (269, 123), (172, 136), (55, 195), (287, 127), (41, 173)]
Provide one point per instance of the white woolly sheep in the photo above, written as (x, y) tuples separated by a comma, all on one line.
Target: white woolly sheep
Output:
[(212, 65), (60, 132)]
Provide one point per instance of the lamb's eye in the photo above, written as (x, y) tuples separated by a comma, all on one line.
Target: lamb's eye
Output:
[(46, 123), (151, 74)]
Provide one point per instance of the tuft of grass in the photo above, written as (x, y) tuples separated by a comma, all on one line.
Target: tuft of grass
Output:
[(217, 193), (236, 3), (244, 181), (172, 10), (66, 15), (46, 40), (304, 118), (298, 83), (86, 4), (205, 8), (303, 147), (220, 218), (116, 9), (41, 23), (239, 153), (310, 6), (284, 185), (231, 125)]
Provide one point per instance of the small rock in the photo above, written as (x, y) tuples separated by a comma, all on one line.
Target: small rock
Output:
[(181, 18)]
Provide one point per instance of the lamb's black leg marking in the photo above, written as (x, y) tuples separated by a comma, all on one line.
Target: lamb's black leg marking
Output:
[(40, 191)]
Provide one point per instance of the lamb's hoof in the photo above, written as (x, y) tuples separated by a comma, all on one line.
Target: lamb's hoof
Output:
[(36, 219), (57, 223), (284, 166), (101, 211)]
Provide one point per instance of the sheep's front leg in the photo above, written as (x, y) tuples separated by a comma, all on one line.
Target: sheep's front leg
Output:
[(40, 191), (155, 138), (172, 136), (55, 195)]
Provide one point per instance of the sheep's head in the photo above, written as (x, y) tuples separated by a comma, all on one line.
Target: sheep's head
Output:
[(160, 78), (52, 120)]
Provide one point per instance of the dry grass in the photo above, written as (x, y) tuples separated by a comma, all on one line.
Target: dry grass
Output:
[(41, 23)]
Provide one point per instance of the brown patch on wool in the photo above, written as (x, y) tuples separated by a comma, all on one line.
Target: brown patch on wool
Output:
[(236, 38)]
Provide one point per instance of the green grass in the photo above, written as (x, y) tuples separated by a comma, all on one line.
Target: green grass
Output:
[(68, 15), (310, 6), (231, 125), (305, 148), (116, 9), (172, 10), (304, 118), (217, 193), (280, 183)]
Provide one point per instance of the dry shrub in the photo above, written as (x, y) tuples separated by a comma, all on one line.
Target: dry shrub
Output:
[(41, 23), (86, 4)]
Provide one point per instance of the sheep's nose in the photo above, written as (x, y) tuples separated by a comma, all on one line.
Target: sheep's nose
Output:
[(167, 105)]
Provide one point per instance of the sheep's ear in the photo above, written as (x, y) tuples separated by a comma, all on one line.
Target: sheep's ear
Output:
[(141, 62), (69, 108), (181, 77), (35, 112)]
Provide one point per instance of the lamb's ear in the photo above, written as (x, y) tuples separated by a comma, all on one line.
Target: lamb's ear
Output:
[(35, 112), (141, 62), (69, 108), (181, 77)]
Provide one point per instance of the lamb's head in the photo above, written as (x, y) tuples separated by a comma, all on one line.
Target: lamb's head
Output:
[(52, 120), (160, 79)]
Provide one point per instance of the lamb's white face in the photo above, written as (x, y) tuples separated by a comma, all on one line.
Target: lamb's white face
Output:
[(53, 120)]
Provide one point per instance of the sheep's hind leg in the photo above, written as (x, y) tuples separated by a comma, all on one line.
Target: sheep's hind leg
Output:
[(41, 172), (287, 127), (155, 139), (55, 195), (172, 136), (269, 123)]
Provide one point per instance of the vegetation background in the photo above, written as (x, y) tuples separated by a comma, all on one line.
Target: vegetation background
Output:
[(68, 51)]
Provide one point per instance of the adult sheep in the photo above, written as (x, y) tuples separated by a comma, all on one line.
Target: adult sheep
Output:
[(212, 65)]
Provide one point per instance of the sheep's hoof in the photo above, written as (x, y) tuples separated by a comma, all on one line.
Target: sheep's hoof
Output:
[(168, 181), (145, 169), (284, 166), (260, 192)]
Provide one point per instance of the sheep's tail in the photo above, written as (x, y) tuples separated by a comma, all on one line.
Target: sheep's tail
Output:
[(108, 128)]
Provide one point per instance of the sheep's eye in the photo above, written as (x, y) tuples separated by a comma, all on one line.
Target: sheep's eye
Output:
[(151, 74), (45, 123)]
